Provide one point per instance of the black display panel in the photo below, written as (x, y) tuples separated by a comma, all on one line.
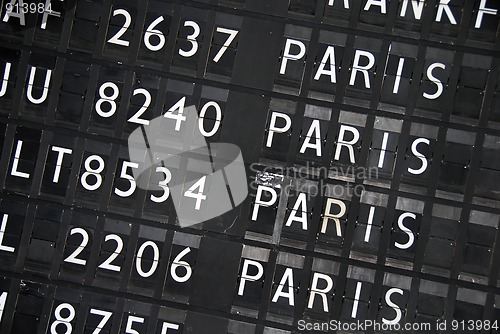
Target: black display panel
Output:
[(370, 135)]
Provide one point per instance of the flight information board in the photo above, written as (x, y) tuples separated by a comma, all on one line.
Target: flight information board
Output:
[(370, 133)]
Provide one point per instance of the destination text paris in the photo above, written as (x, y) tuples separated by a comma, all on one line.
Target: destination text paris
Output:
[(364, 62)]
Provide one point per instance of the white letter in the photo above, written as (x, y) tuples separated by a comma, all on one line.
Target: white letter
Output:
[(3, 300), (19, 14), (287, 55), (313, 132), (382, 151), (346, 3), (368, 231), (394, 306), (483, 10), (6, 75), (342, 143), (443, 6), (355, 305), (2, 233), (411, 237), (328, 215), (418, 8), (46, 14), (61, 151), (287, 276), (380, 3), (245, 277), (435, 80), (321, 292), (273, 128), (299, 206), (328, 58), (397, 80), (17, 155), (419, 155), (29, 92), (259, 202), (363, 69)]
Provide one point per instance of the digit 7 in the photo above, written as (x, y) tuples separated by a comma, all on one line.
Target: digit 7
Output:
[(230, 38)]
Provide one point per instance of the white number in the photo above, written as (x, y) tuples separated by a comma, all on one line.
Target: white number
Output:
[(65, 321), (85, 240), (130, 321), (150, 31), (130, 178), (119, 246), (111, 99), (3, 300), (218, 117), (128, 19), (179, 116), (147, 101), (156, 258), (179, 106), (178, 263), (232, 35), (105, 317), (167, 325), (200, 185), (164, 185), (95, 172), (192, 39)]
